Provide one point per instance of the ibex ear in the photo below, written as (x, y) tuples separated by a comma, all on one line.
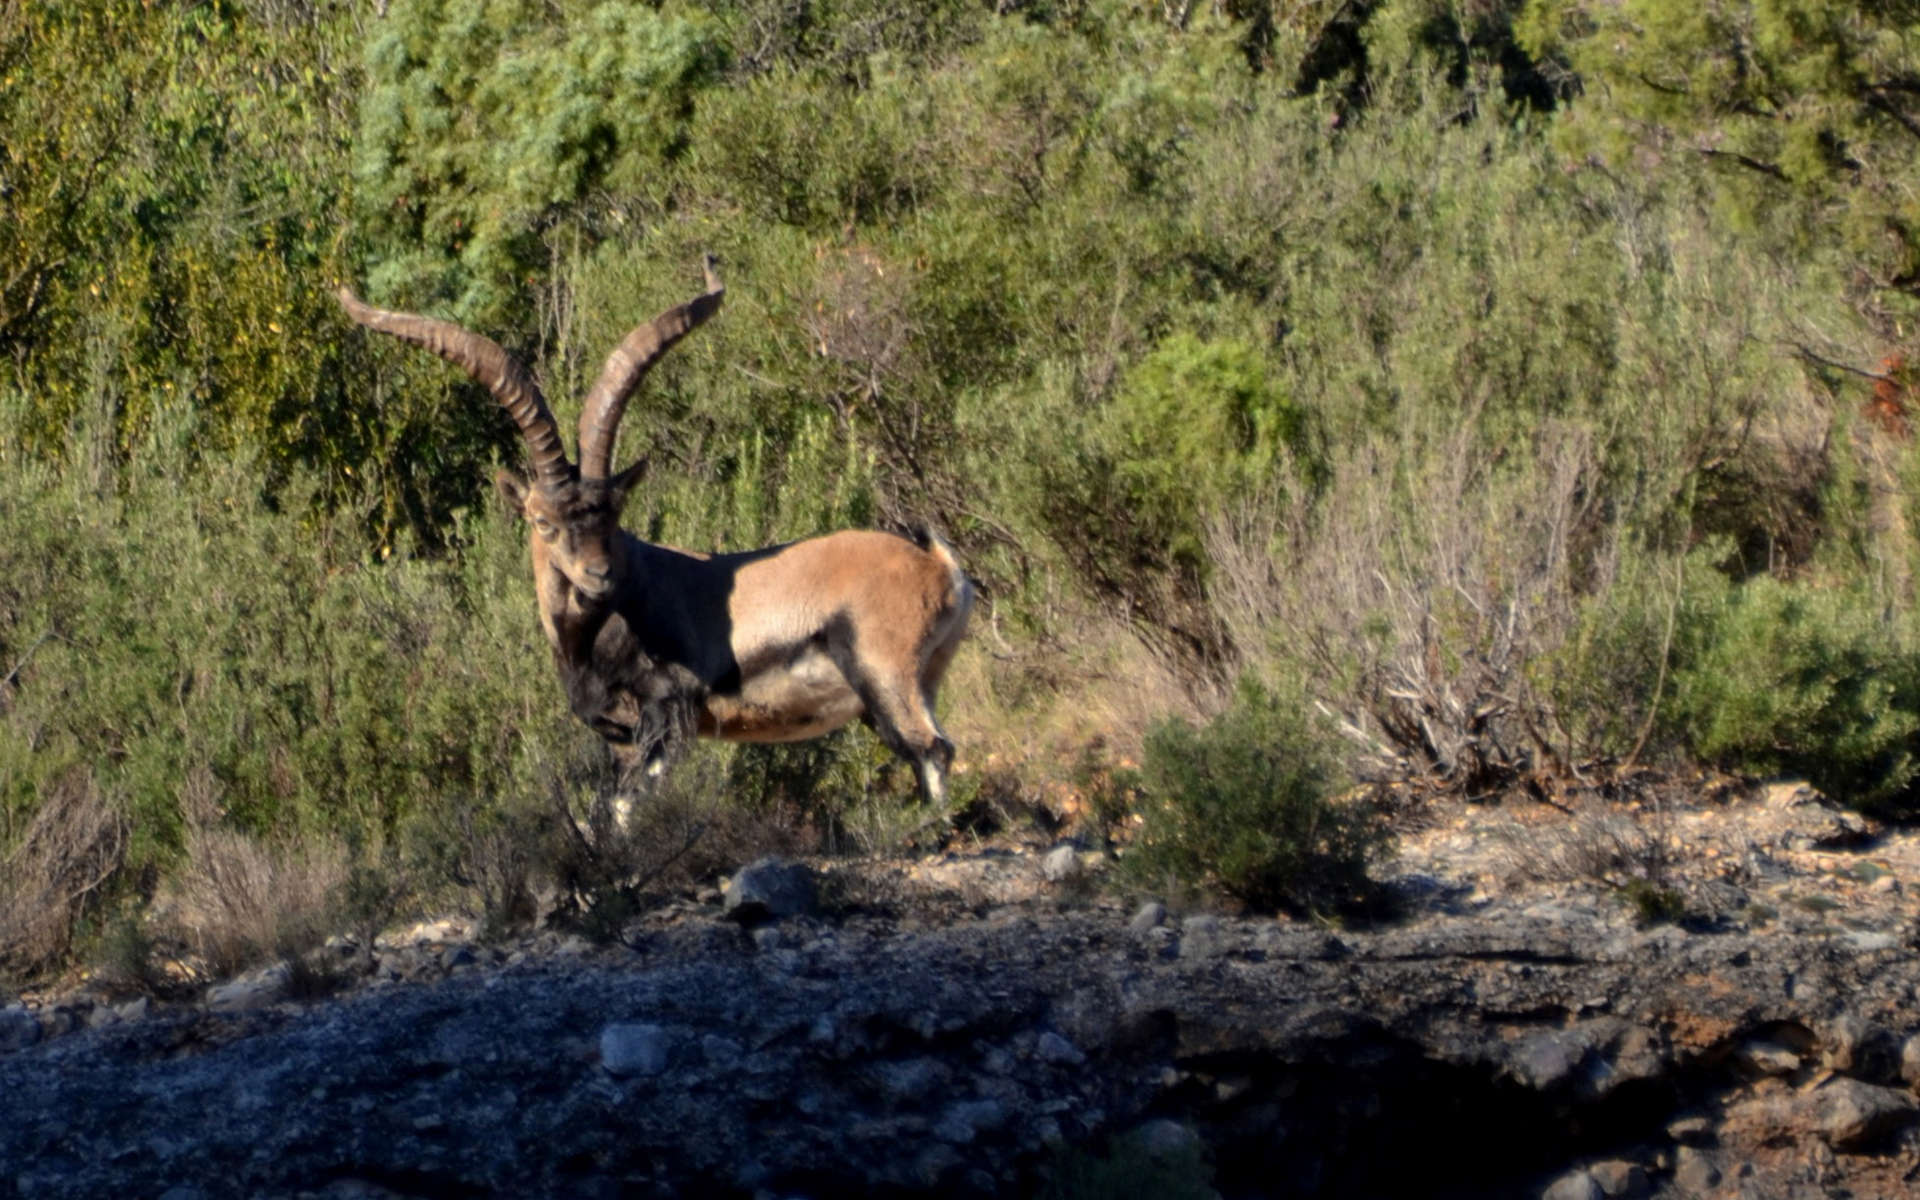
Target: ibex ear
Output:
[(624, 481), (513, 490)]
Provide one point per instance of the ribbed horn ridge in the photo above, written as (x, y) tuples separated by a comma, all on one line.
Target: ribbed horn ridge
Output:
[(628, 364), (490, 366)]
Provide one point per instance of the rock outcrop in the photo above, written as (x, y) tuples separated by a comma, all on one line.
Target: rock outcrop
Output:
[(1532, 1041), (1555, 1055)]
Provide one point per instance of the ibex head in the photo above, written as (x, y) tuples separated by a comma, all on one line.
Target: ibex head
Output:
[(574, 511)]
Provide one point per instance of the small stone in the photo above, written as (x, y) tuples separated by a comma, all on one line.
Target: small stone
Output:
[(1691, 1130), (257, 990), (457, 956), (1061, 863), (1055, 1049), (1575, 1185), (769, 890), (1763, 1057), (1619, 1179), (1885, 884), (1548, 1059), (719, 1051), (1843, 1040), (1147, 917), (1167, 1140), (1910, 1061), (134, 1009), (1791, 793), (634, 1049), (1694, 1172), (1850, 1114), (1201, 937), (965, 1120), (910, 1079), (18, 1028), (1867, 941)]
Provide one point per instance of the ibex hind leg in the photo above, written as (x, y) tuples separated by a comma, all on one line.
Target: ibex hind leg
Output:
[(905, 724), (895, 707), (914, 737)]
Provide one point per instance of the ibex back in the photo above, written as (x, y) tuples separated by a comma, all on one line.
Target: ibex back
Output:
[(772, 645)]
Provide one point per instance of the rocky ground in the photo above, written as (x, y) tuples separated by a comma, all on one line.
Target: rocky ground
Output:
[(1714, 997)]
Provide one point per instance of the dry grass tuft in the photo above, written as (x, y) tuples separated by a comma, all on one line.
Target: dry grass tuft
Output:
[(74, 844), (238, 900)]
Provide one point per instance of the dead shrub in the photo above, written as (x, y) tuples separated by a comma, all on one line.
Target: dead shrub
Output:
[(648, 837), (1597, 842), (1421, 619), (57, 876), (238, 901)]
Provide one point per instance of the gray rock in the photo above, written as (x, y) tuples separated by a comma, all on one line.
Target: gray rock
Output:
[(1548, 1060), (634, 1049), (1202, 937), (1842, 1041), (1061, 863), (1167, 1140), (1619, 1178), (258, 989), (910, 1079), (1910, 1061), (1694, 1171), (1764, 1057), (19, 1028), (1575, 1185), (769, 890), (1055, 1049), (1147, 917), (1692, 1130), (1850, 1114), (1845, 1113), (966, 1119), (719, 1051)]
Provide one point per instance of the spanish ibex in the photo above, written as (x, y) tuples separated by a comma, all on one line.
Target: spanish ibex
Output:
[(773, 645)]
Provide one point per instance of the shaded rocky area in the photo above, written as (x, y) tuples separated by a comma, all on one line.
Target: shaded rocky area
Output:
[(984, 1033)]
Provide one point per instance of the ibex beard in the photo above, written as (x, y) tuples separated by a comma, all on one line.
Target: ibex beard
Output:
[(652, 643)]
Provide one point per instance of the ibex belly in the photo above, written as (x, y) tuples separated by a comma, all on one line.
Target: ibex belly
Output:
[(800, 697)]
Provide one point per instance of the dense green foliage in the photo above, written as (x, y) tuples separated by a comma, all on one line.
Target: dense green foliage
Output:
[(1245, 805), (1487, 374)]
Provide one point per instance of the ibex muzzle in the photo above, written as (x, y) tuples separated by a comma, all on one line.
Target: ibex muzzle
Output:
[(772, 645)]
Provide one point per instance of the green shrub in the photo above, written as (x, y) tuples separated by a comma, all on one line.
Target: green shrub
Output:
[(1198, 422), (1245, 805), (1807, 680)]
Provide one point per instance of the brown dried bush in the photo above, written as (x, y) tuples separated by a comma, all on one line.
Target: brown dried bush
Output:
[(55, 877), (238, 900)]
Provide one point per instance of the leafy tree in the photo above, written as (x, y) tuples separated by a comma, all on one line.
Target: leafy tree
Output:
[(1818, 100), (491, 125)]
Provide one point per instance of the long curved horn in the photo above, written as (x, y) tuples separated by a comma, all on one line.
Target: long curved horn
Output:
[(490, 366), (628, 364)]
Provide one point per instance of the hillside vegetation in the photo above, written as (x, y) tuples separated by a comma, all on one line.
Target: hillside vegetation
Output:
[(1482, 396)]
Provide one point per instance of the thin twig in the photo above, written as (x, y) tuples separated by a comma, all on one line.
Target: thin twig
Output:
[(25, 659), (1660, 678), (1814, 356)]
